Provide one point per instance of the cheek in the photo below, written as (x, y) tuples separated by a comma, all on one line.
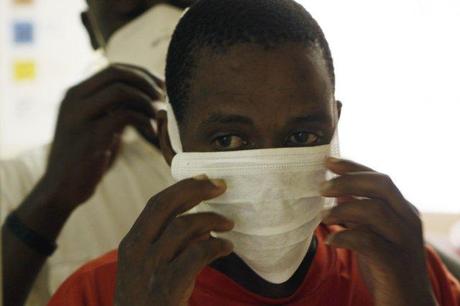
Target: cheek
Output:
[(194, 141), (194, 146)]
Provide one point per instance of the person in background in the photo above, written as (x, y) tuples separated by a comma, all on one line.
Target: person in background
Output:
[(251, 121), (75, 199)]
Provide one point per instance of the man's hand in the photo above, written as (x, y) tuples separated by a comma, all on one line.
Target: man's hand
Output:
[(91, 120), (384, 229), (162, 254)]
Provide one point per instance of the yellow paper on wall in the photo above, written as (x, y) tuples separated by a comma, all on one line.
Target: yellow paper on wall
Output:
[(19, 2), (24, 70)]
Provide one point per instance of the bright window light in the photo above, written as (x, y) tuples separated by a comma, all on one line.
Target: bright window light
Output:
[(397, 66)]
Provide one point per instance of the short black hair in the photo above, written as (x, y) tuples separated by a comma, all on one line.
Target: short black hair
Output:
[(220, 24)]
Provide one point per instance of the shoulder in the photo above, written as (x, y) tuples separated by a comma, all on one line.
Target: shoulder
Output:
[(445, 286), (106, 262), (92, 284)]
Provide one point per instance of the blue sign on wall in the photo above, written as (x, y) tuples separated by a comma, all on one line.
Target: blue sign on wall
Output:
[(23, 32)]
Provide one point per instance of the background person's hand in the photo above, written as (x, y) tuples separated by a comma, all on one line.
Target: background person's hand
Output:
[(161, 256), (384, 229), (90, 122)]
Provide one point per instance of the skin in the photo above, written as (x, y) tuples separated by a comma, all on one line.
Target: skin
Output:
[(91, 119), (233, 99)]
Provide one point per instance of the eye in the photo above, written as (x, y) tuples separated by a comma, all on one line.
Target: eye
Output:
[(303, 139), (229, 142)]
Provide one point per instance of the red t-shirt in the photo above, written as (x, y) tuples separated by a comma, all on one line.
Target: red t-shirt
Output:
[(333, 280)]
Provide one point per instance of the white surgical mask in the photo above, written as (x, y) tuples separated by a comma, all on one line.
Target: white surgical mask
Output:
[(272, 196), (144, 41)]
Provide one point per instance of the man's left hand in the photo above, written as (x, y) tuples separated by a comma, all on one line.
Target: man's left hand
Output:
[(384, 229)]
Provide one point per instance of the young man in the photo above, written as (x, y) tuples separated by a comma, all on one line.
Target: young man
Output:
[(71, 177), (251, 84)]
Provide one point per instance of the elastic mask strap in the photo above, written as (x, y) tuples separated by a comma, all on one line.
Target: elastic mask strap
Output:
[(335, 144), (173, 129)]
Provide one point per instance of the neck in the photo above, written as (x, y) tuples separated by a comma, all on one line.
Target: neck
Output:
[(238, 271)]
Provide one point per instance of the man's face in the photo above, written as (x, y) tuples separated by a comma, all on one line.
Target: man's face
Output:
[(251, 98)]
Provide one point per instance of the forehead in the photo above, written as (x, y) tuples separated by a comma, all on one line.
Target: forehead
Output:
[(250, 79)]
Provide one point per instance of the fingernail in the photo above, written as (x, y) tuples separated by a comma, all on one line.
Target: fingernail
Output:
[(218, 183), (333, 160), (201, 177), (328, 239)]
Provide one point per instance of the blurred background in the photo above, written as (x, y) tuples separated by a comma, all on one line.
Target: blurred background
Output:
[(397, 66)]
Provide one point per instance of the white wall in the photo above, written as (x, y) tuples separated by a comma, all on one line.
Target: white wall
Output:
[(397, 66), (60, 52)]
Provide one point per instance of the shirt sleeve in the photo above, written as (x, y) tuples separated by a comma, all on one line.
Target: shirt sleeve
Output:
[(445, 286), (71, 292), (91, 285)]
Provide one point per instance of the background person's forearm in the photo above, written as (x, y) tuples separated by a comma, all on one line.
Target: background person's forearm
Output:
[(21, 264)]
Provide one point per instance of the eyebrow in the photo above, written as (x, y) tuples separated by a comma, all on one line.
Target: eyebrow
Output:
[(220, 118), (317, 117)]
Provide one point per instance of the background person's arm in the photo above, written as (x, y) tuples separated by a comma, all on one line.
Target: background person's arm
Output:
[(87, 139), (21, 264)]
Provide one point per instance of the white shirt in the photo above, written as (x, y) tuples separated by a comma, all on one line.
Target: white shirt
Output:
[(99, 224)]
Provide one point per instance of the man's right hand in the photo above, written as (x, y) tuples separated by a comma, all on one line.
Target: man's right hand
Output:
[(90, 122), (161, 256)]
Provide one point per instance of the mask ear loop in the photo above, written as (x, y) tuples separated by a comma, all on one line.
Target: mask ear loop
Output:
[(335, 144), (173, 129), (334, 152)]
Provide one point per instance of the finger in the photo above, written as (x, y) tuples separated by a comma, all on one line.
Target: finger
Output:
[(370, 185), (113, 97), (114, 149), (184, 229), (374, 214), (197, 256), (363, 242), (112, 74), (150, 134), (171, 202), (158, 81), (343, 166), (114, 123)]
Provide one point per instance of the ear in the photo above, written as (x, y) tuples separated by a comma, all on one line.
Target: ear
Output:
[(90, 30), (163, 137), (339, 108)]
